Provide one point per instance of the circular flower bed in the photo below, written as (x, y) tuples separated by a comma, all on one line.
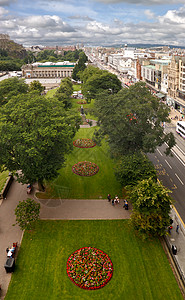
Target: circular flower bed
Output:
[(85, 168), (82, 102), (89, 268), (84, 143)]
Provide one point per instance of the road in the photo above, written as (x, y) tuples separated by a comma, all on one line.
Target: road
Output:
[(170, 170)]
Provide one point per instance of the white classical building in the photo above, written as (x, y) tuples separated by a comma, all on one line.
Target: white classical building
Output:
[(48, 70)]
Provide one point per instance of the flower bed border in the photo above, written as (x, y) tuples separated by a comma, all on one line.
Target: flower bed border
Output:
[(82, 102), (73, 170), (84, 146), (91, 287)]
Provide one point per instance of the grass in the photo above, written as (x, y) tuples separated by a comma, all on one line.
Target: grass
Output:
[(71, 186), (3, 178), (141, 269), (76, 87), (87, 108), (51, 93)]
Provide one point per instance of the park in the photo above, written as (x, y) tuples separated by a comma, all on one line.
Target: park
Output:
[(139, 267)]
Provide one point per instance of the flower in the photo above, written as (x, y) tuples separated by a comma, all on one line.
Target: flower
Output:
[(84, 143), (89, 271), (85, 168)]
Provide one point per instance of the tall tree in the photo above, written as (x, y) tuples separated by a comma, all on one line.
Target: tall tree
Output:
[(151, 203), (11, 87), (101, 82), (80, 66), (132, 168), (27, 213), (35, 85), (36, 133), (132, 120), (64, 92), (88, 72)]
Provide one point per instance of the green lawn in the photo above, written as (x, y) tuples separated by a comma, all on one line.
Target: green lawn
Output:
[(87, 108), (141, 269), (51, 93), (71, 186), (3, 178), (76, 87)]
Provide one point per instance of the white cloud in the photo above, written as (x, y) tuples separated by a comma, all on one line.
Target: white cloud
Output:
[(174, 16), (3, 11), (149, 14), (143, 2), (52, 29), (79, 17)]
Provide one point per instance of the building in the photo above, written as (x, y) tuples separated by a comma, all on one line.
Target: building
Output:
[(48, 70), (176, 83)]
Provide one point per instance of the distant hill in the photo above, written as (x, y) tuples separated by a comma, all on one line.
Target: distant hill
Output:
[(145, 46), (13, 49)]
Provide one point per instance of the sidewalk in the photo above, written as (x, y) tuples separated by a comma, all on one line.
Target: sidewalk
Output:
[(9, 233), (173, 114), (177, 239)]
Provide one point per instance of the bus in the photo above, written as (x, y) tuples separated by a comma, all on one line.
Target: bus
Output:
[(180, 128)]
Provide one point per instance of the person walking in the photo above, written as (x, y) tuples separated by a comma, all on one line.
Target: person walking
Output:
[(112, 202), (177, 228), (109, 197)]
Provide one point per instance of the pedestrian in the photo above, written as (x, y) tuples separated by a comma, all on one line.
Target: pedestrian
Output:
[(126, 205), (169, 229), (109, 197), (112, 202), (177, 228)]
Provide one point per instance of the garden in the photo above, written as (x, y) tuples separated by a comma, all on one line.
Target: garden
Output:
[(68, 185), (138, 269)]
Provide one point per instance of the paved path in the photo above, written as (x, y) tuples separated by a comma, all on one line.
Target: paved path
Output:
[(9, 233), (82, 210)]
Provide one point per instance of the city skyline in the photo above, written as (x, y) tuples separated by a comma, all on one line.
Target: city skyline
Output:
[(100, 22)]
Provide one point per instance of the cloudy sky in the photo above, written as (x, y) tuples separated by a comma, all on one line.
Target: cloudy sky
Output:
[(93, 22)]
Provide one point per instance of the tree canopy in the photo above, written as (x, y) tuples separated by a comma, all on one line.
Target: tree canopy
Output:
[(132, 120), (36, 133), (11, 87), (151, 207), (101, 82), (64, 92), (132, 168), (27, 213), (35, 85), (80, 66)]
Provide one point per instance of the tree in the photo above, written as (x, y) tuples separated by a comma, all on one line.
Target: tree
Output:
[(35, 85), (100, 82), (151, 207), (64, 92), (36, 133), (80, 66), (132, 120), (89, 72), (134, 167), (27, 213), (11, 87)]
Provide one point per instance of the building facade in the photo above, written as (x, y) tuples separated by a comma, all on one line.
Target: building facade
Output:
[(48, 70)]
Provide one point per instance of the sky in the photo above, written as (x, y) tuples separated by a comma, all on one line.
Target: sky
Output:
[(93, 22)]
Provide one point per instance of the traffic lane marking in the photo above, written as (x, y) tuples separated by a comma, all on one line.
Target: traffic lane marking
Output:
[(179, 179), (168, 164)]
